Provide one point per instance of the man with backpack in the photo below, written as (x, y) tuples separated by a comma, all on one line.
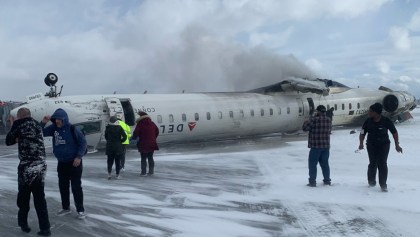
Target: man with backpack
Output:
[(69, 147)]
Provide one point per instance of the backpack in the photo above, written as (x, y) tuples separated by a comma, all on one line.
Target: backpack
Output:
[(73, 133)]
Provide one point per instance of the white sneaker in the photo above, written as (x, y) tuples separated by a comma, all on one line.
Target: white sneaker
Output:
[(81, 215), (118, 176), (63, 212), (122, 169)]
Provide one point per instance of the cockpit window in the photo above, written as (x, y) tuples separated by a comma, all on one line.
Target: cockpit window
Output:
[(89, 127)]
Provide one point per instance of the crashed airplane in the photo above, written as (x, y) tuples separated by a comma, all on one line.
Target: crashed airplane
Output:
[(278, 108)]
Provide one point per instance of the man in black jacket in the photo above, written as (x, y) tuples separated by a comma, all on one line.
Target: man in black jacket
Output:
[(31, 170), (378, 144), (115, 136)]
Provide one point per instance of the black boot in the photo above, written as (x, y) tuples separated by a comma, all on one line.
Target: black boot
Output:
[(44, 232), (25, 228)]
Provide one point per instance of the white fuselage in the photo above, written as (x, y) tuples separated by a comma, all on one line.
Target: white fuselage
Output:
[(205, 116)]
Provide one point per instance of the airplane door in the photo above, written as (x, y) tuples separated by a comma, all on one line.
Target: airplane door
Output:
[(311, 106), (300, 105), (115, 108)]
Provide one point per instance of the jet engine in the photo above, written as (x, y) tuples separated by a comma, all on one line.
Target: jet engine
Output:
[(390, 103), (398, 104)]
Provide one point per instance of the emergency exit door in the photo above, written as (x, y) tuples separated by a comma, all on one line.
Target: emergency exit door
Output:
[(115, 108)]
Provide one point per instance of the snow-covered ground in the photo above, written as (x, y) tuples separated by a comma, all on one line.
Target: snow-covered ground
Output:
[(236, 188)]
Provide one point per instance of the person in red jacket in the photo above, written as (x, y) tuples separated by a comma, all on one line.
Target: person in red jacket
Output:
[(146, 131)]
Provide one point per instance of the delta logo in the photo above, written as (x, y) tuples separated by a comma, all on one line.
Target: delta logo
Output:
[(191, 125)]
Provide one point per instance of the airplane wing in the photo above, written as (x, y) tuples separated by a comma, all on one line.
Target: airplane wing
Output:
[(318, 86)]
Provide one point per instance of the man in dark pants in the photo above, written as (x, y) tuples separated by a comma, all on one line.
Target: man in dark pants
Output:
[(147, 132), (378, 144), (69, 146), (319, 128), (31, 170), (125, 143)]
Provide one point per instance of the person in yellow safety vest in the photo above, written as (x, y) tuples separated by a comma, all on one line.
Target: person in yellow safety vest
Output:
[(127, 131)]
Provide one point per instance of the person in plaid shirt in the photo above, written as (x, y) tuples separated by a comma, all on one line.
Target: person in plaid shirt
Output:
[(319, 128)]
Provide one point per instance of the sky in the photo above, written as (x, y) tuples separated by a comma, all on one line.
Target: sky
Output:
[(242, 187), (167, 46)]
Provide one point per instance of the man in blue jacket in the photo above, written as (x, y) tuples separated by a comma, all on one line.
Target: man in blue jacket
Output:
[(69, 146)]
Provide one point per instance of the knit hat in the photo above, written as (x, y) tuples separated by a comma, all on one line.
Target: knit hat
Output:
[(113, 119), (141, 113)]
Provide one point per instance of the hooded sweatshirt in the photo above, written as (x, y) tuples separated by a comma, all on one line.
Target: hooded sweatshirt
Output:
[(65, 147)]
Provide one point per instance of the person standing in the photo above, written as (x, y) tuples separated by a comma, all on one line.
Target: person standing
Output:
[(125, 143), (115, 136), (378, 144), (319, 128), (146, 131), (31, 170), (69, 146), (330, 113)]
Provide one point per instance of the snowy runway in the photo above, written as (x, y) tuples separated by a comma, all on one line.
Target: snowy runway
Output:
[(244, 188)]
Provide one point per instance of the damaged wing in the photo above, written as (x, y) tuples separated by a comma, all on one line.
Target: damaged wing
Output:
[(318, 86)]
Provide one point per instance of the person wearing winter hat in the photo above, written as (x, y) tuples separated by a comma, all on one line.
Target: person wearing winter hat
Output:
[(147, 132), (378, 144), (115, 136), (319, 128)]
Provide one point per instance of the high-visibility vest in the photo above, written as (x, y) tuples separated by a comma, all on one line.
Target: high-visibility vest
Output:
[(127, 131)]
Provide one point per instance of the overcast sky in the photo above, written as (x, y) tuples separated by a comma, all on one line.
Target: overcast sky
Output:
[(163, 46)]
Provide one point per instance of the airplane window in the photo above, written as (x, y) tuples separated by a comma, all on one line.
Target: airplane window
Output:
[(171, 118), (184, 117), (300, 110), (197, 117), (328, 107), (358, 105), (89, 127), (241, 112), (262, 112), (335, 107), (220, 115), (279, 110), (159, 118), (288, 110), (208, 116), (252, 113), (231, 114), (350, 106), (271, 112), (343, 106)]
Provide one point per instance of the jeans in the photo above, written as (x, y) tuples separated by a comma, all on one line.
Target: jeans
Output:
[(320, 155), (149, 157), (68, 173), (23, 198), (378, 156)]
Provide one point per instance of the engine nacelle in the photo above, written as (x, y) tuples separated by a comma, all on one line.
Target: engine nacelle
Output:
[(398, 102), (390, 103)]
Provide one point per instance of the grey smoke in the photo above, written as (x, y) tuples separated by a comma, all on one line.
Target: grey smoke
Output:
[(204, 62)]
